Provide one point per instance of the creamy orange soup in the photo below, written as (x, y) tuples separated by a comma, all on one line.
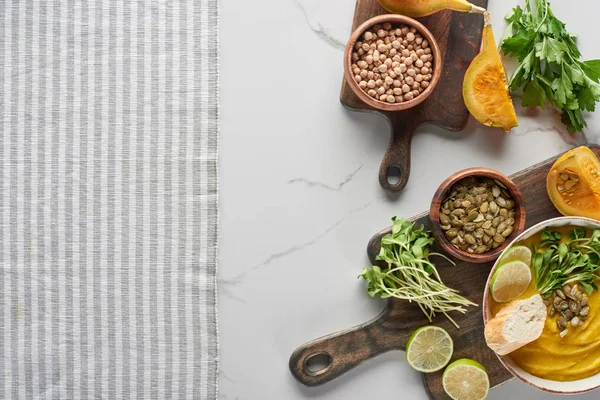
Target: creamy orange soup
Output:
[(575, 356)]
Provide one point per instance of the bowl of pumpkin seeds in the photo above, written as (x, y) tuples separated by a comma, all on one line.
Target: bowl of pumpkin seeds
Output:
[(475, 214)]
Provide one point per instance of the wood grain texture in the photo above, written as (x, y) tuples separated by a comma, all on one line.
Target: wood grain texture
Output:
[(459, 38), (393, 327)]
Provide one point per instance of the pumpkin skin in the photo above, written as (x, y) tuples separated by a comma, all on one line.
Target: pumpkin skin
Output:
[(485, 87), (423, 8), (579, 193)]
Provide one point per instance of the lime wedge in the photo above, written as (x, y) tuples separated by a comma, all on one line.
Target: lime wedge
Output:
[(510, 281), (466, 379), (517, 253), (429, 349)]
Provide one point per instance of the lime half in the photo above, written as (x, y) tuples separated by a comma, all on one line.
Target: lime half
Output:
[(517, 253), (510, 281), (429, 349), (466, 379)]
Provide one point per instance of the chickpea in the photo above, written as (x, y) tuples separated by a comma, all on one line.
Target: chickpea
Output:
[(424, 84), (383, 97), (418, 63), (372, 92), (389, 80), (378, 42), (380, 90), (355, 57), (409, 96), (365, 47), (391, 99), (369, 59), (381, 48), (362, 85), (383, 68), (428, 50), (413, 30), (396, 58), (420, 52), (419, 40), (397, 83), (409, 80), (402, 68), (424, 57), (381, 33), (377, 63), (397, 91), (415, 93), (388, 62), (382, 57), (371, 84), (414, 57), (368, 35), (362, 64), (408, 61), (370, 75), (419, 78), (405, 30), (425, 44), (424, 71), (386, 40), (357, 78), (427, 64), (396, 44), (410, 36), (398, 32), (389, 92), (411, 72), (356, 71), (387, 26), (393, 52), (378, 83), (405, 88), (358, 45)]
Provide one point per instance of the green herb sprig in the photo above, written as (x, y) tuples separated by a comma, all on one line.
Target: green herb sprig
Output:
[(410, 275), (550, 69), (558, 263)]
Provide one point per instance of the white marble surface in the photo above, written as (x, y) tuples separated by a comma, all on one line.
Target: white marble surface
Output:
[(300, 196)]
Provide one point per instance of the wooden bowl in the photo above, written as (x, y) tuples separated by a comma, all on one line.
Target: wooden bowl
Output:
[(393, 19), (440, 196)]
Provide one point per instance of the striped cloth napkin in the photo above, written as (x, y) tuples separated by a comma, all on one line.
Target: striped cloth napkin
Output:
[(108, 199)]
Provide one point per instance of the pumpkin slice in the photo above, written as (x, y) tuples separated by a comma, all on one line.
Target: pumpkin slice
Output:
[(422, 8), (573, 183), (485, 88)]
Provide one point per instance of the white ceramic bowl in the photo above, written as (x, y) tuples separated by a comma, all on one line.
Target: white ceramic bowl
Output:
[(574, 387)]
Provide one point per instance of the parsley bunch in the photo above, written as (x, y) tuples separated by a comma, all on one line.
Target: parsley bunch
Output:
[(410, 275), (559, 262), (550, 68)]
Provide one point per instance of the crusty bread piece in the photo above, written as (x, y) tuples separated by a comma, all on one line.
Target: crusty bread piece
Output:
[(519, 323)]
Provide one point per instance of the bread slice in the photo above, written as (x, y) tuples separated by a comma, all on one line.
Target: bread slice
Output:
[(519, 323)]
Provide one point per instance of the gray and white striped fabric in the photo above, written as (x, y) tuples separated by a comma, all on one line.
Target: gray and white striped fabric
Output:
[(108, 199)]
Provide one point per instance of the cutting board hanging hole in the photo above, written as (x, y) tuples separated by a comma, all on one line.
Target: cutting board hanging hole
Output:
[(317, 364)]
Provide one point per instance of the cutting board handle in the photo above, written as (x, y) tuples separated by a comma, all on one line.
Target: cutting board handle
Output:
[(343, 351), (395, 167)]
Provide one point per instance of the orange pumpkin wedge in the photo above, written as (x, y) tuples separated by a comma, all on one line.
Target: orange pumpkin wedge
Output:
[(573, 183), (423, 8), (485, 87)]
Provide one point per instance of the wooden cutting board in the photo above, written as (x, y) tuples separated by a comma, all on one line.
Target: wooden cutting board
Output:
[(459, 37), (393, 327)]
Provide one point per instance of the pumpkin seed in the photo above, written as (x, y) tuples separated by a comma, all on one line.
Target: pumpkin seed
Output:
[(564, 333), (499, 239), (484, 207), (493, 207), (551, 311), (564, 305), (496, 222), (501, 227), (560, 293), (451, 233), (470, 239), (568, 314), (561, 322), (584, 311), (574, 177), (496, 191), (569, 184), (501, 201), (503, 213), (584, 301), (472, 215), (576, 322), (564, 177), (507, 231), (444, 219), (574, 306)]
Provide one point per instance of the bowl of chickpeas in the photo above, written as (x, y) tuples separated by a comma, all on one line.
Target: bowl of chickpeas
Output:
[(392, 62)]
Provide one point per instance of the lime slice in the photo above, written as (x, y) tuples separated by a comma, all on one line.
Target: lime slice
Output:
[(429, 349), (510, 281), (517, 253), (466, 379)]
